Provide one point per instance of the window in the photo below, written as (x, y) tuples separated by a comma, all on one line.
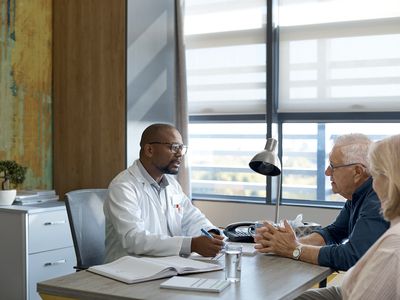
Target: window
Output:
[(337, 73), (225, 58), (305, 156), (343, 62), (219, 159)]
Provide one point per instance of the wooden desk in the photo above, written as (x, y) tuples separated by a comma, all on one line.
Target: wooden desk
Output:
[(263, 277)]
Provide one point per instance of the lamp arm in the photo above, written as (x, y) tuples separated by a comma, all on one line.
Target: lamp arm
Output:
[(278, 198)]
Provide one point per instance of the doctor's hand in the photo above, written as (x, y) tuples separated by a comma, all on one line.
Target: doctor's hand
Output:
[(206, 246), (281, 241)]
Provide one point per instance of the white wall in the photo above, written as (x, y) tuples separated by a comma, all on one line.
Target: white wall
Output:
[(151, 73), (223, 213)]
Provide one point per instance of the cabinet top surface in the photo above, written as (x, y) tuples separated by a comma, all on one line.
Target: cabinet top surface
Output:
[(34, 208)]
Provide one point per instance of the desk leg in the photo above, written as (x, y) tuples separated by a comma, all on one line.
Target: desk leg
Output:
[(322, 283)]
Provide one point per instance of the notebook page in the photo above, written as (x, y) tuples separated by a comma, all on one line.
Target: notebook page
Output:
[(184, 265), (132, 269), (195, 284)]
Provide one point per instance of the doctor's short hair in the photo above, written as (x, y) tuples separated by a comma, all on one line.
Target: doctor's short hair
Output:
[(153, 131), (384, 159), (354, 148)]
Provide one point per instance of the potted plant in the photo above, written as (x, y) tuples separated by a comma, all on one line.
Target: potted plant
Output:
[(11, 175)]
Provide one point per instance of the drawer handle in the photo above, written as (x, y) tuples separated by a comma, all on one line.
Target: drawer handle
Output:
[(54, 223), (58, 262)]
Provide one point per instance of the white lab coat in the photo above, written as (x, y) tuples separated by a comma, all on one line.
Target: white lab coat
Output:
[(135, 221)]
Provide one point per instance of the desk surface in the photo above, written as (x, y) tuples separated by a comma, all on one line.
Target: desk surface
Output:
[(263, 277)]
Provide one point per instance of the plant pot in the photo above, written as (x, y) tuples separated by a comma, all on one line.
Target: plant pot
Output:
[(7, 197)]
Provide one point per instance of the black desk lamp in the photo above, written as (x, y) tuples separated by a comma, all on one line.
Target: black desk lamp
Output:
[(268, 163)]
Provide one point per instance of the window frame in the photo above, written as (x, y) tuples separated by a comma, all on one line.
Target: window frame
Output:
[(274, 119)]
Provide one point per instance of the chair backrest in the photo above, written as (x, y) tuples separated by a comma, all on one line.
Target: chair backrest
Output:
[(87, 222)]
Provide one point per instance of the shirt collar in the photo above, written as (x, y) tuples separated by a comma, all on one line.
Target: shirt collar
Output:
[(362, 190), (150, 180)]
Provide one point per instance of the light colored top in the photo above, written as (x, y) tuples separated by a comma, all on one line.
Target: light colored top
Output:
[(147, 218), (376, 275)]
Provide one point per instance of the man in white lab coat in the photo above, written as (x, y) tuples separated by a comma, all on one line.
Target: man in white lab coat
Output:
[(147, 212)]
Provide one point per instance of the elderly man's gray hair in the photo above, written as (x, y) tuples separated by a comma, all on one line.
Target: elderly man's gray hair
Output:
[(354, 148)]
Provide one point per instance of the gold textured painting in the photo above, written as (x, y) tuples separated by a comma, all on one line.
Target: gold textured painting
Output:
[(25, 88)]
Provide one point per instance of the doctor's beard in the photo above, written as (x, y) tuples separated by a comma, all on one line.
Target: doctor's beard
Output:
[(172, 168)]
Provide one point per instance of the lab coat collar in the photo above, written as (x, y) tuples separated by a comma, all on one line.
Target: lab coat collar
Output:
[(137, 169), (163, 183)]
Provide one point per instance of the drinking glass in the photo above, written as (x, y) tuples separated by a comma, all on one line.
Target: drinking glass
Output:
[(233, 260)]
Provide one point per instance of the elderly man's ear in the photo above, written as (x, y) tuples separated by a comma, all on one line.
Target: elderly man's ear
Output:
[(360, 172)]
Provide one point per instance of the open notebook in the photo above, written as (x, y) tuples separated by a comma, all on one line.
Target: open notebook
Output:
[(130, 269)]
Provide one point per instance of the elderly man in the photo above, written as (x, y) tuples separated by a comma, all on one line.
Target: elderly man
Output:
[(358, 225), (147, 212)]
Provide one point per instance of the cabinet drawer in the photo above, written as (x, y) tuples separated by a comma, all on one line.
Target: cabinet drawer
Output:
[(48, 230), (49, 264)]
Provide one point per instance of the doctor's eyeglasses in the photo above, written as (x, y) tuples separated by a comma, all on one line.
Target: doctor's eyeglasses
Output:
[(174, 147)]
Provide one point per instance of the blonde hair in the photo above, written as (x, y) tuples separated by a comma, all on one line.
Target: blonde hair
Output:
[(384, 158)]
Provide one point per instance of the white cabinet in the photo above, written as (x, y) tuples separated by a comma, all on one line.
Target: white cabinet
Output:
[(35, 245)]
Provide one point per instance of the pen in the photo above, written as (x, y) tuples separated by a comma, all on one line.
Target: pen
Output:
[(206, 233)]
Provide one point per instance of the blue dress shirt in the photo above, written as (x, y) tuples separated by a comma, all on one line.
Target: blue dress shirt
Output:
[(358, 225)]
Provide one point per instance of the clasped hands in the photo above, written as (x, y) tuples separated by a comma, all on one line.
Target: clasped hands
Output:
[(280, 240)]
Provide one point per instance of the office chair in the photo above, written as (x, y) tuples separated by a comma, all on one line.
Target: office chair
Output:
[(87, 223)]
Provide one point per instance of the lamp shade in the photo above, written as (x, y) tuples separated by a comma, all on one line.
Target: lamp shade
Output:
[(267, 161)]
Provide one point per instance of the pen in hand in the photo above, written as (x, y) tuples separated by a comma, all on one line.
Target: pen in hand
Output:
[(206, 233)]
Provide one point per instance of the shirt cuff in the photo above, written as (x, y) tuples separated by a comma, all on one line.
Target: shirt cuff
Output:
[(327, 258), (186, 247), (323, 259)]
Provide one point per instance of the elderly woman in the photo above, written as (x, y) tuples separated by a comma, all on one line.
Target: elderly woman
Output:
[(376, 274)]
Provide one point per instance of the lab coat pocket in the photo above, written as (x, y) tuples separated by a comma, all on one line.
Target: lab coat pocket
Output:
[(177, 205), (175, 216)]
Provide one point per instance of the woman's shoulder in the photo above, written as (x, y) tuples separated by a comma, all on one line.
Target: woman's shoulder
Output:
[(391, 239)]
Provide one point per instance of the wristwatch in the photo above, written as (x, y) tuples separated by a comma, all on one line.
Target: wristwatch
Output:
[(297, 252)]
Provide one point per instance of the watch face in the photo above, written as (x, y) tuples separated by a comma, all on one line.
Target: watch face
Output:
[(296, 253)]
